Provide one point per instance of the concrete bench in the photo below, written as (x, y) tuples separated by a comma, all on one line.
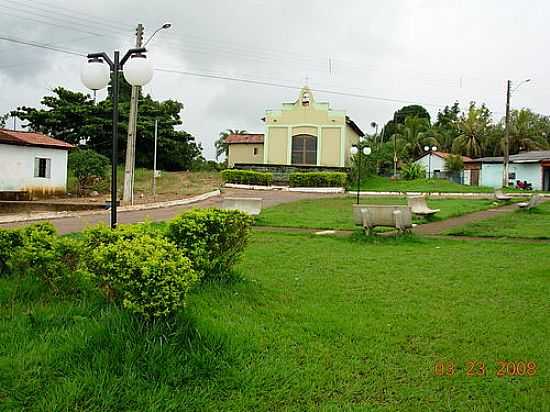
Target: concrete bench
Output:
[(534, 201), (250, 205), (399, 217), (499, 195), (419, 206)]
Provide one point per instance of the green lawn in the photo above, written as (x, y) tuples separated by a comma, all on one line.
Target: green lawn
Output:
[(315, 323), (384, 184), (336, 213), (522, 223)]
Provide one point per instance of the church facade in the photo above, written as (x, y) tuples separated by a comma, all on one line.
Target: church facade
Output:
[(301, 133)]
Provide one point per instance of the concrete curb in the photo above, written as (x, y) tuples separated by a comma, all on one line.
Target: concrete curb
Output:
[(443, 195), (149, 206)]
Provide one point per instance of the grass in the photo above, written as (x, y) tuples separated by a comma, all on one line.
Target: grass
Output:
[(384, 184), (170, 185), (315, 323), (534, 224), (336, 213)]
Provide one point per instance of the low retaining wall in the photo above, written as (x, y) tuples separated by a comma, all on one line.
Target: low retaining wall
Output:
[(15, 207)]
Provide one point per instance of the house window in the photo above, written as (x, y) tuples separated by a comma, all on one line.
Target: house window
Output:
[(255, 151), (42, 167), (304, 150)]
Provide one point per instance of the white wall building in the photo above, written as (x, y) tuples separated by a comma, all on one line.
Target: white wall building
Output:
[(32, 162), (434, 163), (531, 167)]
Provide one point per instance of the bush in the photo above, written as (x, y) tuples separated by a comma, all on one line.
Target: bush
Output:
[(10, 241), (213, 239), (454, 163), (317, 179), (53, 259), (247, 177), (147, 275), (89, 167), (413, 171)]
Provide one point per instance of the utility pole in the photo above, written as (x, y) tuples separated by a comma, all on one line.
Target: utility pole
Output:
[(128, 194), (155, 160), (507, 136)]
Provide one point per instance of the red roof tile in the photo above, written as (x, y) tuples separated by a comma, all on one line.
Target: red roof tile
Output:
[(22, 138), (444, 155), (245, 138)]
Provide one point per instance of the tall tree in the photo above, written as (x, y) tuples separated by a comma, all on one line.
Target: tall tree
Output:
[(221, 146), (72, 116), (527, 131), (474, 128), (399, 117), (411, 136)]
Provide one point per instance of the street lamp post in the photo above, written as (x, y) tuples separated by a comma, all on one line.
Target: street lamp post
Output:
[(95, 76), (430, 150), (356, 151)]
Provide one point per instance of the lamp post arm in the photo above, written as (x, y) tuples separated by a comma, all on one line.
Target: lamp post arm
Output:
[(103, 56), (131, 52)]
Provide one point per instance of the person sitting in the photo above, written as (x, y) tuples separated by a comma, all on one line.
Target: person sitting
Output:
[(519, 184)]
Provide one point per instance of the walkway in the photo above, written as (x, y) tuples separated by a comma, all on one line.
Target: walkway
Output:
[(80, 222)]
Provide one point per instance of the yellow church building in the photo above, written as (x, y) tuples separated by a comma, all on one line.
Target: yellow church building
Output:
[(302, 133)]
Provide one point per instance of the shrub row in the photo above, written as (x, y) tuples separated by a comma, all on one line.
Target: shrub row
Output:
[(144, 269), (318, 179), (247, 177)]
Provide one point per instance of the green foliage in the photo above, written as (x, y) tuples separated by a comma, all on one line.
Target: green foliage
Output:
[(454, 163), (10, 241), (413, 171), (53, 259), (88, 166), (317, 179), (72, 116), (213, 239), (401, 115), (247, 177), (146, 275)]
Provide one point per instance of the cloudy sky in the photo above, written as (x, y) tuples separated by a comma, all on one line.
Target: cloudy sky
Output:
[(383, 54)]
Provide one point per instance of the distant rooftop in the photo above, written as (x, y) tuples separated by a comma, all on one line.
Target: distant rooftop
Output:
[(522, 157), (22, 138), (245, 139)]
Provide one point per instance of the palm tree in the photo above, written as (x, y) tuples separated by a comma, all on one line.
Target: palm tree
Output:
[(525, 132), (411, 136), (221, 146), (474, 127)]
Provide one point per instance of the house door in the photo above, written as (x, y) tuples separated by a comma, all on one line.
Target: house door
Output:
[(474, 177), (546, 179)]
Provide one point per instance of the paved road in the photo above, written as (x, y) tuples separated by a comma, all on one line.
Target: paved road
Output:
[(78, 223)]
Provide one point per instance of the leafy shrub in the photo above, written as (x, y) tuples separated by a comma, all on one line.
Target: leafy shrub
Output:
[(247, 177), (317, 179), (53, 259), (147, 275), (413, 171), (10, 241), (213, 239), (454, 163), (89, 167)]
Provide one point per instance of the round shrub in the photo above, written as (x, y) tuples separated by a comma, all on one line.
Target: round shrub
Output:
[(146, 275), (413, 171), (10, 241), (213, 239)]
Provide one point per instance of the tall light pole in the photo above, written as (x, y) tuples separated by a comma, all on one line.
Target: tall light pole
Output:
[(96, 75), (506, 162), (130, 164), (430, 150), (358, 152)]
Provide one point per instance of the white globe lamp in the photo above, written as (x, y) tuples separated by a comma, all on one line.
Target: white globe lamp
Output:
[(354, 150), (367, 151), (138, 70), (95, 74)]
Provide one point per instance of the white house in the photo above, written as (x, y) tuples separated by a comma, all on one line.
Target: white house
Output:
[(32, 162), (532, 167), (434, 163)]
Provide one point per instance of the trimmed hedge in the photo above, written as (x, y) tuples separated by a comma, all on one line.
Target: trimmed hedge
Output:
[(247, 177), (212, 238), (318, 179)]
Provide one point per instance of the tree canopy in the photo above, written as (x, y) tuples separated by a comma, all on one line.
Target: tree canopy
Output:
[(73, 116)]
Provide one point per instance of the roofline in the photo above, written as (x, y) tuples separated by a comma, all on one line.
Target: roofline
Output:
[(45, 146), (246, 143), (354, 126)]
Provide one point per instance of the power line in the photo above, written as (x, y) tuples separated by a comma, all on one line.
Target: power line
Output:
[(42, 46), (286, 86)]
